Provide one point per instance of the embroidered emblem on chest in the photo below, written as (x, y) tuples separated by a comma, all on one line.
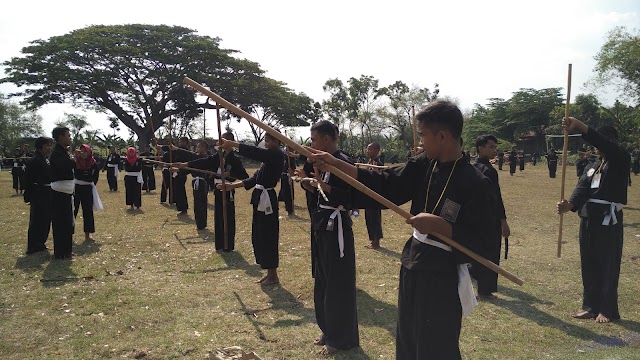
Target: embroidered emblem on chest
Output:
[(590, 172), (450, 211)]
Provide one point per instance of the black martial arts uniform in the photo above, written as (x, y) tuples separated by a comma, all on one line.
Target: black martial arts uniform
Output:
[(148, 175), (521, 162), (84, 196), (234, 167), (113, 162), (312, 205), (37, 192), (265, 227), (180, 180), (429, 307), (334, 291), (487, 279), (373, 217), (601, 226), (17, 173), (62, 222), (166, 181), (636, 163), (513, 162), (132, 184), (552, 163), (285, 195), (500, 160)]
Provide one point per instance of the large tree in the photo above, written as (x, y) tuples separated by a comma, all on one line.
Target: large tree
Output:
[(618, 62), (134, 72), (17, 125)]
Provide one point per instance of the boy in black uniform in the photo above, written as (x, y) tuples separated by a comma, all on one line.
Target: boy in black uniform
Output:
[(500, 159), (513, 161), (62, 186), (180, 178), (148, 175), (265, 228), (334, 290), (17, 171), (37, 192), (199, 182), (112, 167), (599, 197), (166, 178), (450, 197), (235, 170), (373, 217), (286, 189), (552, 162), (86, 176), (487, 279)]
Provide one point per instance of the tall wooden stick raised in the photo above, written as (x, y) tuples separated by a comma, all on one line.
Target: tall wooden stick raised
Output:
[(348, 179), (293, 207), (171, 194), (224, 190), (413, 126), (565, 147)]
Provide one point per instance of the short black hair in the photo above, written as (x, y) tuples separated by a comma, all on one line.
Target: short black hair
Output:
[(609, 132), (42, 141), (441, 115), (482, 140), (165, 148), (228, 136), (184, 138), (206, 144), (375, 145), (57, 132), (325, 127), (272, 137)]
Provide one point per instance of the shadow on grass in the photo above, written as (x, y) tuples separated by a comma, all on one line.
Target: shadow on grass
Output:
[(134, 211), (388, 252), (522, 305), (33, 262), (373, 312), (632, 225), (58, 272), (234, 261), (86, 247)]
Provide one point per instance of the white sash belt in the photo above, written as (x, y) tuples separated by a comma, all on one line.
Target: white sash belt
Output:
[(334, 214), (264, 205), (97, 203), (137, 174), (196, 182), (219, 181), (63, 186), (116, 170), (609, 219), (465, 288)]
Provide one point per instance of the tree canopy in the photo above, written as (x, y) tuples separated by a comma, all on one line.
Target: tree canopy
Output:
[(135, 72), (17, 125), (618, 62)]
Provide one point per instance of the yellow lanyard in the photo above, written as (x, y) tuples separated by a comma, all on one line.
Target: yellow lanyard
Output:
[(600, 167), (426, 201)]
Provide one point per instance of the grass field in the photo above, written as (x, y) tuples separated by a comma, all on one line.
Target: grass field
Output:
[(151, 287)]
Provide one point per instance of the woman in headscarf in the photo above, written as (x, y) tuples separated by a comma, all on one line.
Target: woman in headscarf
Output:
[(86, 177), (133, 178)]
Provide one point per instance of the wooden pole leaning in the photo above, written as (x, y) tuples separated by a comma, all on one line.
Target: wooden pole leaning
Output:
[(171, 194), (565, 147), (286, 154), (413, 126), (348, 179), (225, 230)]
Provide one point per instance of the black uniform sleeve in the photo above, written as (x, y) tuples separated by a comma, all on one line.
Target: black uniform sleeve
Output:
[(237, 169), (581, 193), (250, 182), (211, 162), (615, 153), (95, 172), (260, 154), (396, 184)]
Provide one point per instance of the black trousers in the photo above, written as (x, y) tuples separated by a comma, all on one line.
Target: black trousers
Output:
[(600, 258), (148, 178), (285, 193), (84, 196), (218, 218), (488, 279), (265, 234), (39, 219), (133, 191), (373, 219), (111, 178), (180, 192), (500, 163), (553, 166), (62, 224), (429, 315), (166, 188), (200, 202), (334, 291), (18, 178), (512, 168)]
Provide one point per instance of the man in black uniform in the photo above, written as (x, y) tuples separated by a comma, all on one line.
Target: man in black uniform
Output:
[(17, 171), (487, 279), (513, 161), (265, 227), (335, 266), (500, 159), (62, 187), (373, 217), (112, 168), (285, 195), (180, 177), (552, 162), (37, 192), (599, 197), (449, 197), (199, 182), (166, 178), (148, 176)]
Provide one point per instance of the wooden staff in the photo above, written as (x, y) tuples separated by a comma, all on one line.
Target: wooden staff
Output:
[(371, 166), (171, 194), (224, 189), (413, 123), (293, 207), (348, 179), (213, 173), (564, 159)]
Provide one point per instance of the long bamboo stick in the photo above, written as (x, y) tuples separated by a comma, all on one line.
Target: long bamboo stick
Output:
[(413, 126), (224, 189), (171, 194), (348, 179), (213, 173), (565, 147)]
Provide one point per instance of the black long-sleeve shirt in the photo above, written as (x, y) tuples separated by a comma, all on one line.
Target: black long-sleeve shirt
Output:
[(232, 165), (468, 204), (61, 164), (269, 172), (613, 179), (135, 167), (147, 154), (113, 159), (488, 170), (37, 175), (90, 175)]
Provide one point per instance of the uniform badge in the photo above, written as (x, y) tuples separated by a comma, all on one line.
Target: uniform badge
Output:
[(450, 210), (590, 172)]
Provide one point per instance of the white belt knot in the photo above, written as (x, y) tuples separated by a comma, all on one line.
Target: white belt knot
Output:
[(465, 288), (264, 205), (609, 219), (97, 203), (196, 182), (334, 214), (63, 186)]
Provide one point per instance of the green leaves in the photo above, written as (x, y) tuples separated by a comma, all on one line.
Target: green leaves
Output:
[(619, 59)]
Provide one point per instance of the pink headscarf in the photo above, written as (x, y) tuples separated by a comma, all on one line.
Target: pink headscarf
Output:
[(132, 155), (85, 164)]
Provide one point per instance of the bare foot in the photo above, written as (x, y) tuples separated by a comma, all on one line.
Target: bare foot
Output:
[(374, 245), (319, 341), (583, 315), (262, 280), (602, 319), (271, 281), (327, 350)]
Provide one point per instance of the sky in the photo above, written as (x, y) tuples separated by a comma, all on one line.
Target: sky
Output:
[(475, 50)]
